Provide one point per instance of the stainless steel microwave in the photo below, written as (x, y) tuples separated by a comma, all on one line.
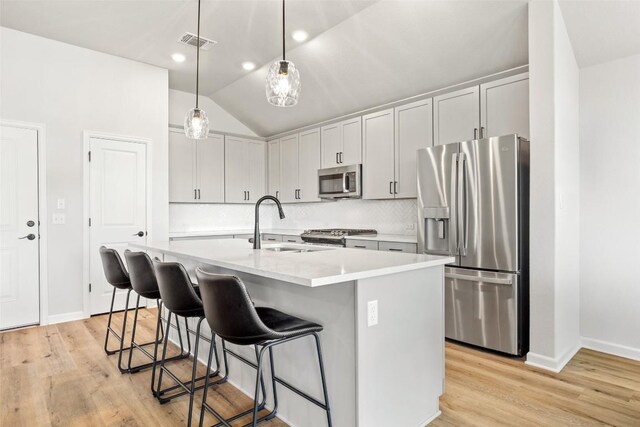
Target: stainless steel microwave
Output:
[(344, 182)]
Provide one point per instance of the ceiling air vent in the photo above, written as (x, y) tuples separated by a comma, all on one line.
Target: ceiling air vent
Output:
[(192, 40)]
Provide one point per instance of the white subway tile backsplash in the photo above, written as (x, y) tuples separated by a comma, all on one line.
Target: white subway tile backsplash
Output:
[(386, 216)]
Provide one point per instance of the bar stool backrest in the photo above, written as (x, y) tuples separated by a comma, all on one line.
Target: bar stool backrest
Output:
[(176, 290), (141, 272), (229, 310), (114, 269)]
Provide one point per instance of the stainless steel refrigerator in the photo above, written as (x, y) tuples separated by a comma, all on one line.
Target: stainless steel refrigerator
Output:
[(473, 204)]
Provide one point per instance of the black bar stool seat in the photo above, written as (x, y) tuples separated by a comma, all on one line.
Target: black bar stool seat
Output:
[(285, 325), (232, 316)]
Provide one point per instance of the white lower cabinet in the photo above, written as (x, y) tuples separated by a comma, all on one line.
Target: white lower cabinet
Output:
[(196, 169), (362, 244), (398, 247), (271, 237), (245, 170), (292, 239)]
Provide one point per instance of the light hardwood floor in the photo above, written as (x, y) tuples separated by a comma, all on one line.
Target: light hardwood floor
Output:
[(59, 375)]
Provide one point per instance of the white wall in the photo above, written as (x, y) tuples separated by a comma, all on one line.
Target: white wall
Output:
[(386, 216), (610, 206), (219, 120), (554, 213), (69, 90)]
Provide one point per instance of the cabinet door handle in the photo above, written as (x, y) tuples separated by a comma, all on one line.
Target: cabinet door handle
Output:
[(475, 133), (249, 195), (395, 187), (482, 132), (390, 187), (341, 159), (245, 195), (195, 194), (337, 161), (277, 193), (199, 194), (299, 196)]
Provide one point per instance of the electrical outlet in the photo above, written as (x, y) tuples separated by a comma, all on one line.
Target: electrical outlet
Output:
[(60, 204), (58, 218), (372, 313), (410, 227)]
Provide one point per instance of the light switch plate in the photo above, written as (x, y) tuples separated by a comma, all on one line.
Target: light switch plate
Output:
[(59, 218), (372, 313), (60, 204)]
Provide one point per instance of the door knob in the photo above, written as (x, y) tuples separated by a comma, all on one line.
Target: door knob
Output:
[(30, 236), (139, 234)]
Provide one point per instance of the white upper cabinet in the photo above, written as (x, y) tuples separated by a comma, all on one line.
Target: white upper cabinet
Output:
[(351, 153), (341, 143), (289, 168), (196, 169), (210, 169), (456, 116), (182, 182), (245, 174), (413, 130), (504, 106), (273, 169), (256, 167), (378, 167), (331, 144), (299, 164), (308, 165)]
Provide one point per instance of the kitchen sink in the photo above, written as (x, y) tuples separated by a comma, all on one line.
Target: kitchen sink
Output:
[(282, 249)]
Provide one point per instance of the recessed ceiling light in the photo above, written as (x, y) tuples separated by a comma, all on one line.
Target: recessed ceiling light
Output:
[(299, 35), (178, 57), (248, 66)]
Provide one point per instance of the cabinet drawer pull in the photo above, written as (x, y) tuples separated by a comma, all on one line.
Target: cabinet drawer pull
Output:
[(395, 250), (291, 240), (360, 246)]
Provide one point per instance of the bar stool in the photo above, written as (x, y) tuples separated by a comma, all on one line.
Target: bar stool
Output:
[(144, 283), (118, 277), (180, 299), (233, 317)]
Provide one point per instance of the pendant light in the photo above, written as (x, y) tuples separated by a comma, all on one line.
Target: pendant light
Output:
[(283, 78), (196, 123)]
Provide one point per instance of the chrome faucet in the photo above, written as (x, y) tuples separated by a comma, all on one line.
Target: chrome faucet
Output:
[(256, 229)]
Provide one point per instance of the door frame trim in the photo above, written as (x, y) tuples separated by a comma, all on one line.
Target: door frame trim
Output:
[(86, 192), (43, 270)]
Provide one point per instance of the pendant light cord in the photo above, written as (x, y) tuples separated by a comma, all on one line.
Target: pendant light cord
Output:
[(198, 56), (283, 49)]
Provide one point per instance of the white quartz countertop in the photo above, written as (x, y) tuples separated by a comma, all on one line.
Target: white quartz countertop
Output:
[(403, 238), (316, 268)]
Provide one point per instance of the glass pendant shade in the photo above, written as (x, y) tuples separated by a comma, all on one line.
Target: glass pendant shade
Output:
[(196, 124), (283, 84)]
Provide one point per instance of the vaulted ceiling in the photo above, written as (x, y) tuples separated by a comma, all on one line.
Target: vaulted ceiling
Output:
[(360, 53)]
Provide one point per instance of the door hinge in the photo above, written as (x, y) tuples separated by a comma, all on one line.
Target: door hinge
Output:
[(89, 222), (89, 287), (89, 155)]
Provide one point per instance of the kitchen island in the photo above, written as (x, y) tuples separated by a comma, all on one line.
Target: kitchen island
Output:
[(389, 373)]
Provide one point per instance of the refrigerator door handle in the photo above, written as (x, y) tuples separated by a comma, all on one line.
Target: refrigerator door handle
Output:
[(453, 220), (461, 212), (492, 280)]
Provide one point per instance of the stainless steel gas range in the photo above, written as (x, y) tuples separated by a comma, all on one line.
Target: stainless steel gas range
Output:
[(333, 236)]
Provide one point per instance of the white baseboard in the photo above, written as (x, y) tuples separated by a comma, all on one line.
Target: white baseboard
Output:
[(611, 348), (66, 317), (550, 363), (431, 419)]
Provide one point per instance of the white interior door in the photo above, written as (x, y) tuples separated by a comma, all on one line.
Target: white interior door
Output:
[(118, 209), (19, 235)]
